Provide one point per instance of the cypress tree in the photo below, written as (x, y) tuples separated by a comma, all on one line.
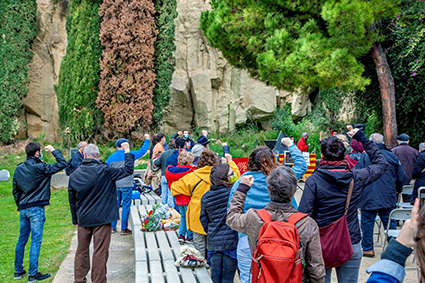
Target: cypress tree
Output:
[(164, 60), (79, 73), (18, 29)]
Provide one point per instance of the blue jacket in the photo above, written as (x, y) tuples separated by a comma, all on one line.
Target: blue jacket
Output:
[(325, 191), (117, 158), (383, 192), (213, 219), (390, 268), (258, 196), (74, 162), (173, 159)]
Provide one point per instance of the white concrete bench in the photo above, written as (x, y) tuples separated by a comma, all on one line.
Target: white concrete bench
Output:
[(156, 252)]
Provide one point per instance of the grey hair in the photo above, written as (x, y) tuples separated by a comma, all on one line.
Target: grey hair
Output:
[(91, 151), (304, 134), (422, 146), (403, 142), (81, 144), (377, 138), (282, 184)]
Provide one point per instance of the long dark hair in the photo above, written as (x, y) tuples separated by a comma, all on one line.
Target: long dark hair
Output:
[(157, 138), (262, 159), (333, 149), (219, 176)]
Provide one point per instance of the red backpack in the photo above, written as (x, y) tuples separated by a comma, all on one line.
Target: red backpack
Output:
[(278, 254)]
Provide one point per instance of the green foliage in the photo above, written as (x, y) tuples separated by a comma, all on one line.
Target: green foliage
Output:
[(17, 29), (283, 122), (289, 43), (163, 57), (404, 50), (79, 73)]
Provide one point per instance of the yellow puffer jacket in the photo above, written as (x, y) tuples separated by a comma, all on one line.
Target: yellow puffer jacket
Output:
[(195, 185)]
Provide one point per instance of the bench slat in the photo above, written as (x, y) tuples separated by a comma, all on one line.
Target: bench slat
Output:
[(134, 217), (171, 271), (157, 275), (142, 272), (152, 247), (202, 274), (166, 252), (139, 246), (144, 200)]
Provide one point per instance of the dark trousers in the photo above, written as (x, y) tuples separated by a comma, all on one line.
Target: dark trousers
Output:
[(368, 222), (223, 268), (101, 240)]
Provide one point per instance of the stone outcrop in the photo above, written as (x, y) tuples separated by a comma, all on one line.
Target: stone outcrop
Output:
[(40, 105), (206, 90)]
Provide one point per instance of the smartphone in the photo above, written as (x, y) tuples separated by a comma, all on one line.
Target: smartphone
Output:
[(422, 196)]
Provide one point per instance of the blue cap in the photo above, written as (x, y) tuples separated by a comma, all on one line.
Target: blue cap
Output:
[(121, 141), (403, 137)]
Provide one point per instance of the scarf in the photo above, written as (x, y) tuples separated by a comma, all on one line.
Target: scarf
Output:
[(344, 163)]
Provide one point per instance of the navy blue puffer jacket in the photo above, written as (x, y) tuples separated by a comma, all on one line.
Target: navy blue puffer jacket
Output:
[(213, 219)]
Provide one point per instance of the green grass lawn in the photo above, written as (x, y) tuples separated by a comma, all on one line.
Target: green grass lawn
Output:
[(58, 229)]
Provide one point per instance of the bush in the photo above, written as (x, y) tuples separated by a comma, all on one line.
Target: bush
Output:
[(79, 74), (18, 29)]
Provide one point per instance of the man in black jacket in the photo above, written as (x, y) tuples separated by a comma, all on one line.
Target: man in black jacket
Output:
[(93, 203), (380, 197), (31, 190)]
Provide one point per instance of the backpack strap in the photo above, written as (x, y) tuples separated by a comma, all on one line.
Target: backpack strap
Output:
[(264, 215), (297, 216)]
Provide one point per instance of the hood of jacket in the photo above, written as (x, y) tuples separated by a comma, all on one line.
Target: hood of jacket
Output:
[(204, 173), (338, 175)]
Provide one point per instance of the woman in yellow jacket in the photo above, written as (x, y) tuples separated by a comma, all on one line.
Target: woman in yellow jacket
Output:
[(195, 185)]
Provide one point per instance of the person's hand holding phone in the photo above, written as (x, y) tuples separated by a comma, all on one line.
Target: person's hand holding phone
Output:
[(410, 228)]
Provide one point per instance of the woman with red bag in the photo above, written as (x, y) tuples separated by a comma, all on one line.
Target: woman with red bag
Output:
[(326, 194)]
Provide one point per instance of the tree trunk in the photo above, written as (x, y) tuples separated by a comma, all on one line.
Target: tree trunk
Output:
[(386, 84)]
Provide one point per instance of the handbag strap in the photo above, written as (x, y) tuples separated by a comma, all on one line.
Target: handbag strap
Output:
[(350, 192)]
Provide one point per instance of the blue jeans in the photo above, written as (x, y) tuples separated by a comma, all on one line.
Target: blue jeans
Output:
[(124, 194), (244, 260), (349, 271), (368, 222), (31, 220), (166, 196), (223, 268), (183, 225)]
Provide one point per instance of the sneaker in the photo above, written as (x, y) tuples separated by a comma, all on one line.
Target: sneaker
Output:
[(38, 277), (19, 275), (189, 240), (126, 232), (181, 239), (114, 231)]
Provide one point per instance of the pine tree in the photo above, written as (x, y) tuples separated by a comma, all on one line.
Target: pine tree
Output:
[(310, 44)]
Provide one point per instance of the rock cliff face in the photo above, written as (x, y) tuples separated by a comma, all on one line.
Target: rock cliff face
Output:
[(206, 91), (40, 105)]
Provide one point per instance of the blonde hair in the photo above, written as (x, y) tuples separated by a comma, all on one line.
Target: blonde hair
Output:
[(186, 158)]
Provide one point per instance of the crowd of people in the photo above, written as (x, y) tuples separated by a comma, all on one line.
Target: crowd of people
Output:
[(231, 218)]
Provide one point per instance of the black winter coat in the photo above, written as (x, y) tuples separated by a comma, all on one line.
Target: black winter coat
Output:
[(383, 192), (326, 190), (420, 177), (213, 219), (31, 181), (92, 192)]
